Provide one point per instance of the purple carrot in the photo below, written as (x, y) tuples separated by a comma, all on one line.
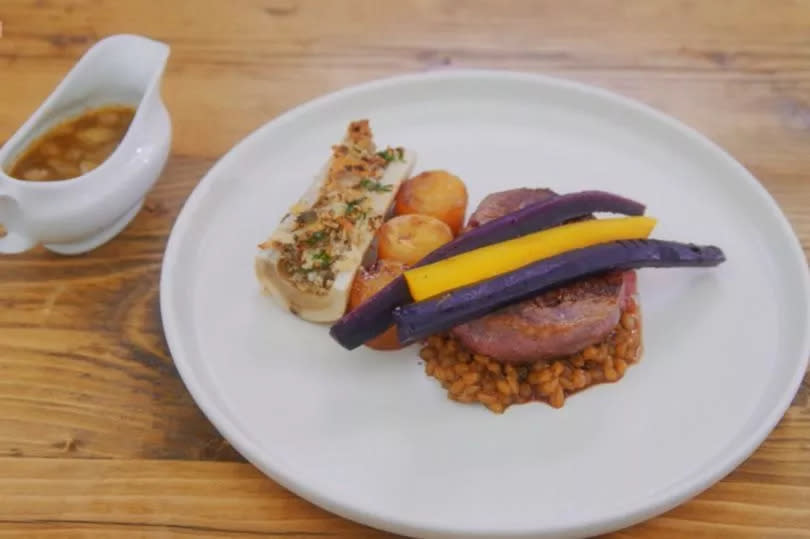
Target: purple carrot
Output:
[(419, 320)]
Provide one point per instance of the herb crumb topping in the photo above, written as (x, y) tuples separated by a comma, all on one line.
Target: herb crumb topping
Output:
[(323, 233)]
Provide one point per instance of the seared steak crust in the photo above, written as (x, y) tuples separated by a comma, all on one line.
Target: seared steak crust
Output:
[(555, 323)]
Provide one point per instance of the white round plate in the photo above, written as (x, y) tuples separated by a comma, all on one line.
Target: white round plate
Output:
[(369, 436)]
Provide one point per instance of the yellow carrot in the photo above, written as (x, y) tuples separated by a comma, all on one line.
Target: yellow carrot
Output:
[(480, 264)]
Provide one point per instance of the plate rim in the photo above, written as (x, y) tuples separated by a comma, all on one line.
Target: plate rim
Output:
[(664, 500)]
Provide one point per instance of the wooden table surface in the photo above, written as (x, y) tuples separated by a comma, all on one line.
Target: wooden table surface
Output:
[(98, 435)]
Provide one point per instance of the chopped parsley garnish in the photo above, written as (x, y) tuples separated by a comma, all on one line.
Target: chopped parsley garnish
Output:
[(316, 237), (375, 186), (324, 258), (392, 154), (353, 208)]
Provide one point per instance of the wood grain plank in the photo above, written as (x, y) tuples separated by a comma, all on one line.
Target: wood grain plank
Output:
[(91, 324), (128, 498), (66, 497), (733, 65), (86, 380)]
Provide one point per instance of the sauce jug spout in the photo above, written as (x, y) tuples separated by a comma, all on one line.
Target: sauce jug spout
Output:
[(125, 65)]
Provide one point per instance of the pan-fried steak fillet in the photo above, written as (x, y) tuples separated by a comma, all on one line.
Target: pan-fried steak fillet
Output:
[(497, 204), (555, 323)]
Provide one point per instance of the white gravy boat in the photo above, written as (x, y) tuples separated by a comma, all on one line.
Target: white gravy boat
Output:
[(79, 214)]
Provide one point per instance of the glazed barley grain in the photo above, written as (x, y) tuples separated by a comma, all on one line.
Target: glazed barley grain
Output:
[(472, 378)]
